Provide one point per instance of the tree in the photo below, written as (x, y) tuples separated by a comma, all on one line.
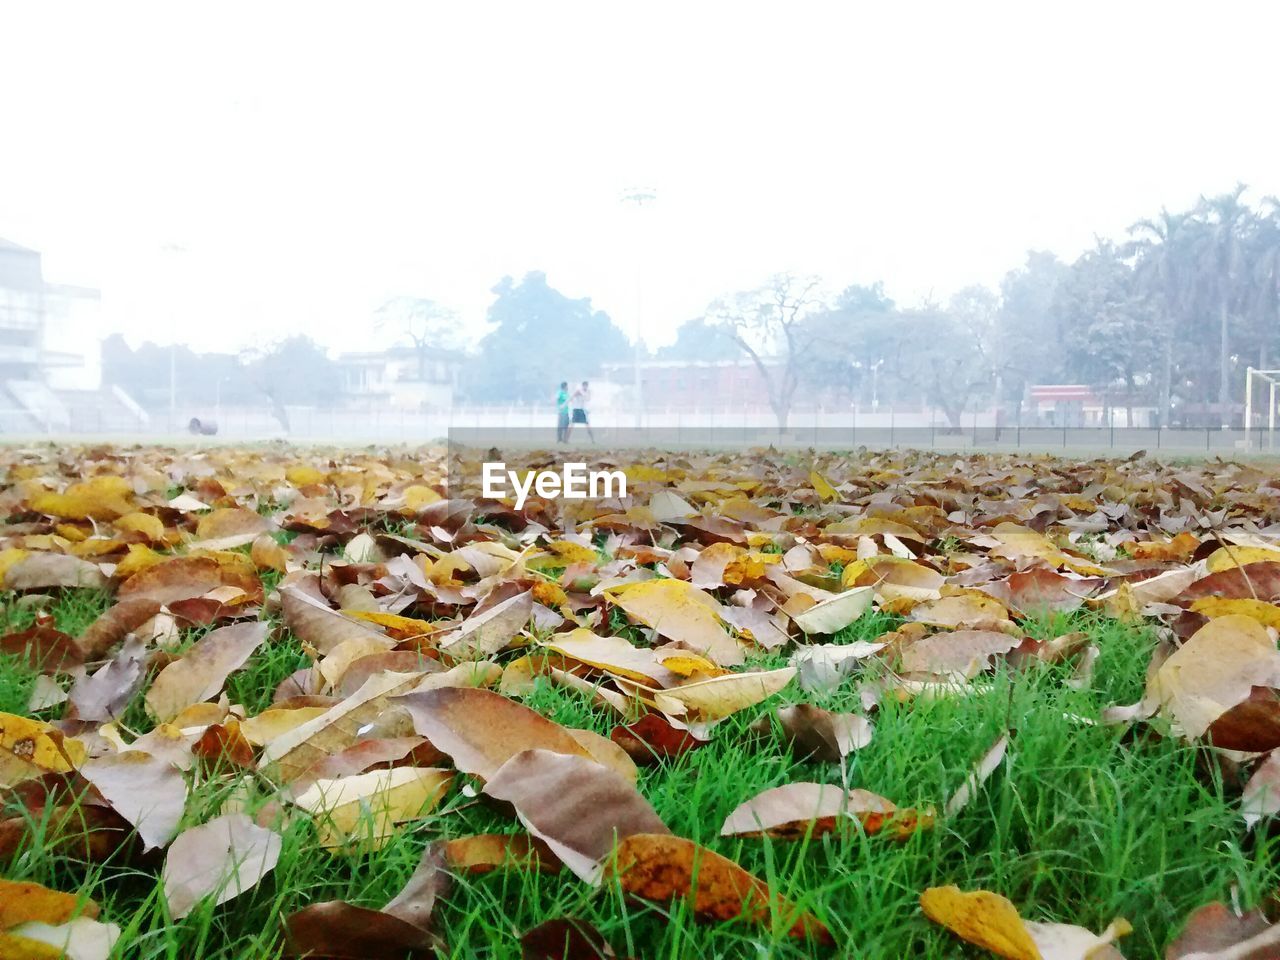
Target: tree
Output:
[(1161, 269), (1110, 324), (294, 372), (854, 336), (1030, 343), (538, 338), (427, 325), (1226, 217), (947, 352), (697, 340), (768, 325)]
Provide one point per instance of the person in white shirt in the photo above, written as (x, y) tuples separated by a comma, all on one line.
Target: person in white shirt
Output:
[(582, 397)]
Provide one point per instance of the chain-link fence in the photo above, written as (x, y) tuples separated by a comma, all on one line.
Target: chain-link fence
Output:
[(654, 428)]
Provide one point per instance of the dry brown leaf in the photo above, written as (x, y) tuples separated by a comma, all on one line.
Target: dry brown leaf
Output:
[(664, 868)]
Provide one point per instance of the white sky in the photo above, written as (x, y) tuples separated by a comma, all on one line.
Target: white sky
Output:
[(228, 173)]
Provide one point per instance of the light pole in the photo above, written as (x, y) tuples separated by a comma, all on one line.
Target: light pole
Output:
[(639, 196), (875, 384)]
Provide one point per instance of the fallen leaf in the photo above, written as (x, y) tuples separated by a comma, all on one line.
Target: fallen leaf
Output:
[(221, 858), (818, 734), (564, 939), (796, 810), (201, 672), (368, 806), (481, 730), (577, 807), (148, 792), (663, 868), (979, 775), (32, 748), (682, 613)]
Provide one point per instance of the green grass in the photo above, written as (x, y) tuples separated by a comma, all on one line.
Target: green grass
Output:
[(1081, 824)]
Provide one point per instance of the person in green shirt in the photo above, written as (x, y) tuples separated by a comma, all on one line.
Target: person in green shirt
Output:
[(562, 413)]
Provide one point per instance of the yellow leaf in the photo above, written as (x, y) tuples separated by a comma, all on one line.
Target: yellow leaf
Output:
[(417, 496), (303, 475), (1215, 670), (549, 594), (681, 612), (138, 558), (23, 902), (30, 748), (686, 664), (15, 947), (369, 805), (150, 526), (276, 722), (8, 557), (398, 627), (1267, 614), (562, 553), (100, 498), (982, 918), (1224, 558), (612, 654), (714, 699), (823, 487)]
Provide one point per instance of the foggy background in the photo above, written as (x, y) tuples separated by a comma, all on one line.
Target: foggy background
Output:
[(316, 220)]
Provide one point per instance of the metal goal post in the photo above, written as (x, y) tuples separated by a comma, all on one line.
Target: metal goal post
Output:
[(1271, 378)]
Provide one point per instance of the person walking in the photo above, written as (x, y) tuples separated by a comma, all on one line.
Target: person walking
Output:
[(582, 397), (562, 412)]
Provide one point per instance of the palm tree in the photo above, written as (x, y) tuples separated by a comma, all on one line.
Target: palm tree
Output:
[(1227, 218), (1160, 247)]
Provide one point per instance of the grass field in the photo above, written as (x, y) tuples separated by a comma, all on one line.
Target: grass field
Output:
[(1081, 824)]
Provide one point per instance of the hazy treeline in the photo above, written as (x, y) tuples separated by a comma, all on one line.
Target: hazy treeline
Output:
[(1167, 316)]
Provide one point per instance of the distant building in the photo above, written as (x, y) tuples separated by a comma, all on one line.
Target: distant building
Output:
[(1079, 405), (692, 384), (21, 312), (50, 352), (399, 378)]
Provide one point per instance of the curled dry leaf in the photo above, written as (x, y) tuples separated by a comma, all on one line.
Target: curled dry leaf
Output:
[(835, 613), (42, 570), (663, 868), (990, 921), (704, 703), (484, 852), (823, 667), (78, 939), (818, 734), (652, 739), (963, 652), (399, 931), (103, 695), (318, 626), (978, 775), (795, 810), (301, 748), (564, 939), (1214, 671), (1214, 932), (577, 807), (484, 634)]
